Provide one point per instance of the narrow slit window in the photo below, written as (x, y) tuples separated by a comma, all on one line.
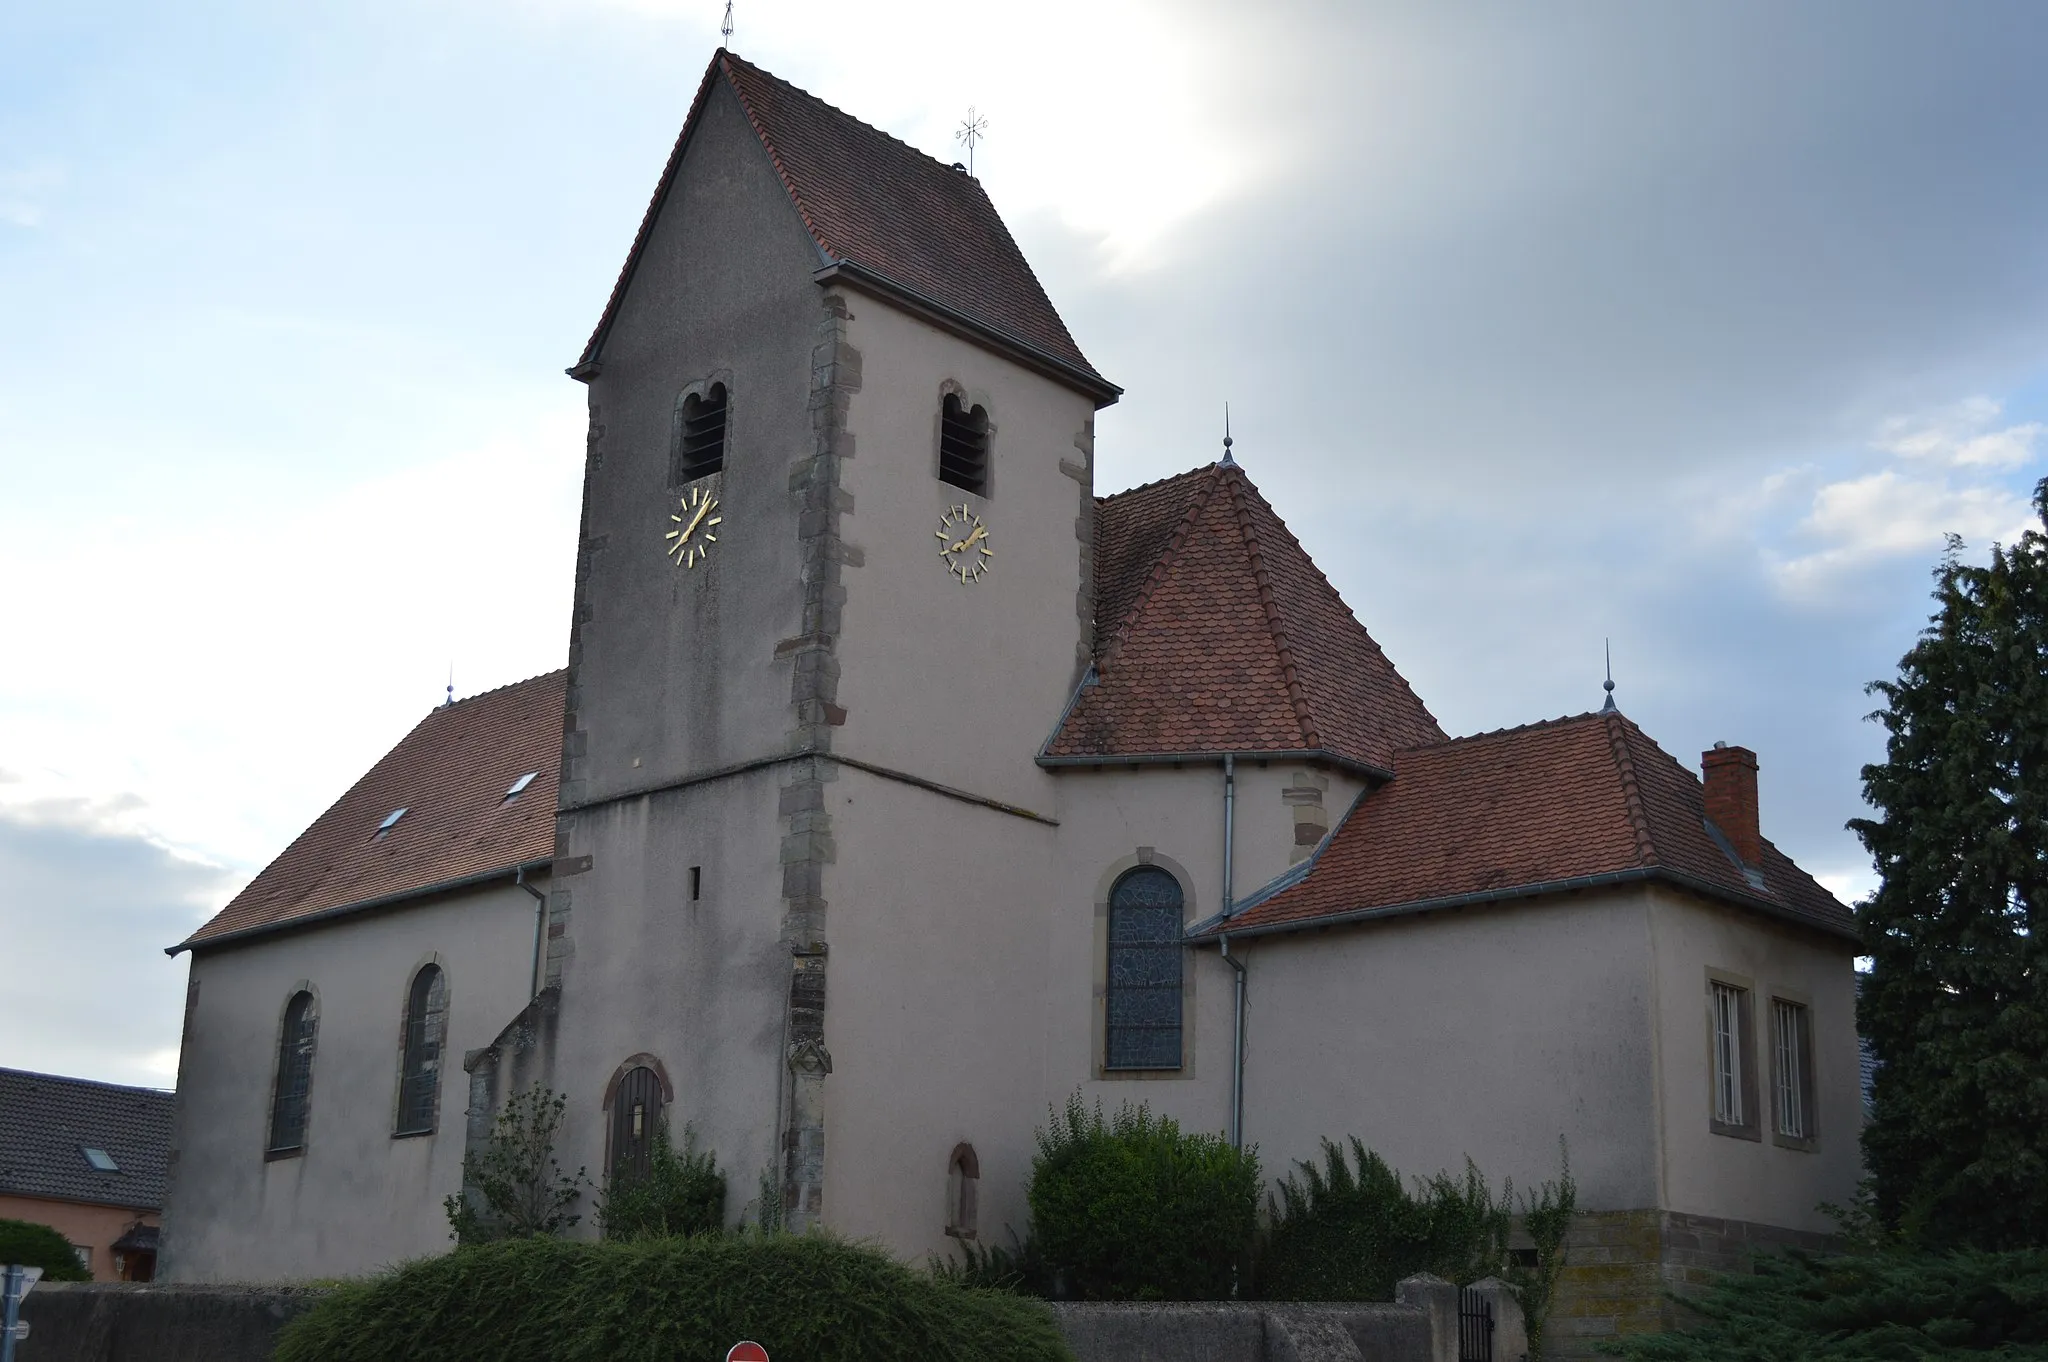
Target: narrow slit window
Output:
[(1728, 1055), (963, 446), (696, 882), (419, 1080), (700, 446), (1791, 1065), (963, 1179), (294, 1075)]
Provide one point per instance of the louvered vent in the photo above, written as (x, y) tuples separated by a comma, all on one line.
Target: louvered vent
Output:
[(963, 447), (700, 450)]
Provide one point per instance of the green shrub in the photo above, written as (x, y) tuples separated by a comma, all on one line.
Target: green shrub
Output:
[(514, 1188), (1864, 1308), (1133, 1209), (1344, 1235), (682, 1193), (24, 1243), (808, 1297)]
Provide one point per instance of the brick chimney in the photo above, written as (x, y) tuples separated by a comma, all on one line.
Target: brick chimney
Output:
[(1731, 799)]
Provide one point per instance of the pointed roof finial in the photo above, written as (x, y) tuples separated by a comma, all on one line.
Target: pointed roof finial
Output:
[(725, 29), (451, 687), (1608, 685), (1228, 462)]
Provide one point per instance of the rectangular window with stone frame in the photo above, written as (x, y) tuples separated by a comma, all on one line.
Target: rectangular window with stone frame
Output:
[(1794, 1120), (1731, 1045)]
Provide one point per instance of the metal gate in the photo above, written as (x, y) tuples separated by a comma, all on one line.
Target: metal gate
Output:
[(1475, 1326)]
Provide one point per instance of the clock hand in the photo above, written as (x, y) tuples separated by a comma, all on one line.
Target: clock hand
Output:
[(980, 532), (701, 511)]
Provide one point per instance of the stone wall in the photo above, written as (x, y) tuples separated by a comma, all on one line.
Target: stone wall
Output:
[(132, 1322)]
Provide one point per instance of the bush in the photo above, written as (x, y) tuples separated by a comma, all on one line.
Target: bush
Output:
[(1340, 1235), (682, 1193), (800, 1296), (1865, 1306), (1133, 1209), (24, 1243), (514, 1188)]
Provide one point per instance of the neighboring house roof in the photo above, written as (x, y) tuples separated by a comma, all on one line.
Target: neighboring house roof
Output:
[(47, 1123), (1566, 804), (450, 775), (1215, 632), (883, 213)]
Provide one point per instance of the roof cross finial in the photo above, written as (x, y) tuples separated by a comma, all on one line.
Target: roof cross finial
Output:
[(972, 129), (725, 29), (1608, 685), (1228, 462)]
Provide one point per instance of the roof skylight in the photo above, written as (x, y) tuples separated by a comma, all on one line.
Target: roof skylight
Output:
[(390, 822), (521, 784), (100, 1159)]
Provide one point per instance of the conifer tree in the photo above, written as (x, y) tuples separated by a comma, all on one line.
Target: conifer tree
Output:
[(1956, 1001)]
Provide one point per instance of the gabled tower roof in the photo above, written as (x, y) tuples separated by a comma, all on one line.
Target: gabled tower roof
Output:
[(1215, 632), (886, 218)]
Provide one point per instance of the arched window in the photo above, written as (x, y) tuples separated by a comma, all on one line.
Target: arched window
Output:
[(963, 1176), (963, 445), (636, 1112), (700, 435), (419, 1074), (1142, 1002), (294, 1074)]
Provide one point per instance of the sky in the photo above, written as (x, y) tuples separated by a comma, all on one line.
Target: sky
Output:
[(1694, 327)]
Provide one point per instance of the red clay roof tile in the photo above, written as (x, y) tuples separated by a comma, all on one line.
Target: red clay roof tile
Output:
[(450, 775), (1215, 632), (874, 202), (1504, 813)]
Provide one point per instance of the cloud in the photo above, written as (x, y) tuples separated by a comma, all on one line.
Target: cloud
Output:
[(1963, 436), (91, 902)]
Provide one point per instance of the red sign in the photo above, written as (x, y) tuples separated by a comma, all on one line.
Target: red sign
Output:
[(747, 1352)]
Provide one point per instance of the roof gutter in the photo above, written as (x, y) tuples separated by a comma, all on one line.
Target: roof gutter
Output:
[(1578, 883), (946, 318), (1317, 754), (518, 871)]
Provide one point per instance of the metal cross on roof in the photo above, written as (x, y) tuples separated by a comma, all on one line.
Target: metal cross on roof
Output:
[(972, 129)]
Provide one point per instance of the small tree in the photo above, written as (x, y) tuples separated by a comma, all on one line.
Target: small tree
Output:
[(1956, 1001), (515, 1188), (681, 1193), (25, 1243)]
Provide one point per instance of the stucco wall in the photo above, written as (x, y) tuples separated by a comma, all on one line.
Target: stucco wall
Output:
[(92, 1227), (1724, 1176), (960, 683), (1486, 1032), (699, 985), (674, 670), (356, 1197)]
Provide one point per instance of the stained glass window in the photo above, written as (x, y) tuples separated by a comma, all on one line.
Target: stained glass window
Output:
[(1142, 1001), (426, 1013), (294, 1074)]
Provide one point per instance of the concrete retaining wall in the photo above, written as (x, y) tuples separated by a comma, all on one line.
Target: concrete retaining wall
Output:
[(125, 1322)]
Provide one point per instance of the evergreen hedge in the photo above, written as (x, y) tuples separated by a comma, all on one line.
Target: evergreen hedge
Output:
[(1871, 1307), (807, 1297), (24, 1243), (1132, 1208)]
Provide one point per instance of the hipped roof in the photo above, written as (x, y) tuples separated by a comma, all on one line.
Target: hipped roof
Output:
[(1215, 632), (450, 775), (1567, 804), (885, 215)]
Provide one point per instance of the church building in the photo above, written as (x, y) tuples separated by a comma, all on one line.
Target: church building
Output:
[(898, 786)]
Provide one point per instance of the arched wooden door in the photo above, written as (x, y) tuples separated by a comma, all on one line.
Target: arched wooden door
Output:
[(636, 1113)]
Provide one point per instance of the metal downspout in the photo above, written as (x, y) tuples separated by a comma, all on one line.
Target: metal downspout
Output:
[(1235, 963), (540, 925)]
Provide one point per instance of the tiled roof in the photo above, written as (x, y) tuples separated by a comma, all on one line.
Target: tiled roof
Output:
[(450, 775), (1215, 632), (47, 1122), (877, 204), (1567, 803)]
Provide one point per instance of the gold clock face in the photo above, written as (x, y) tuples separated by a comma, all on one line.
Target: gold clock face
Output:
[(963, 544), (697, 521)]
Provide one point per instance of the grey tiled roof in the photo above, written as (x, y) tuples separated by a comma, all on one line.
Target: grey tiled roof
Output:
[(47, 1121)]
